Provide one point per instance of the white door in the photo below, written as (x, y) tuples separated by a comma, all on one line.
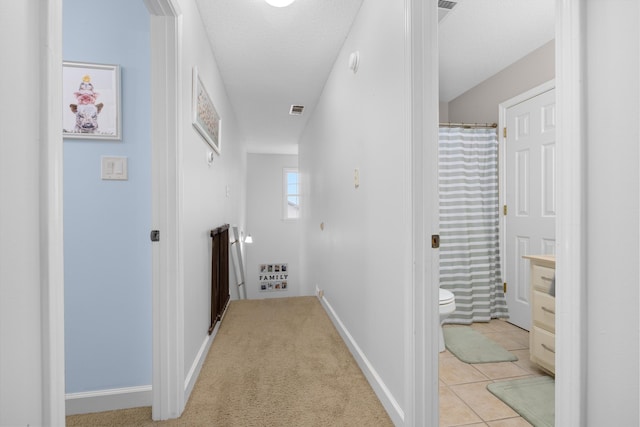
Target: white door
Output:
[(529, 188)]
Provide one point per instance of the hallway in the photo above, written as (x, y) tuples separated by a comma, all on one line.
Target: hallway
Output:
[(274, 362)]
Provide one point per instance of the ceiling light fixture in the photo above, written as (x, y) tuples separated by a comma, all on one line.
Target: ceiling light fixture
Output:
[(279, 3)]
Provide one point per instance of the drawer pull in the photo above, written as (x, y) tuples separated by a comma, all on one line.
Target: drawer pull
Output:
[(548, 310), (548, 279), (548, 348)]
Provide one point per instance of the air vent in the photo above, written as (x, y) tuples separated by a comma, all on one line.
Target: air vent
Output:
[(296, 110), (444, 7), (446, 4)]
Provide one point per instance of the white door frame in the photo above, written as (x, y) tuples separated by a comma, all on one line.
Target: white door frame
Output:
[(51, 219), (422, 295), (502, 159), (168, 386), (421, 373), (571, 218)]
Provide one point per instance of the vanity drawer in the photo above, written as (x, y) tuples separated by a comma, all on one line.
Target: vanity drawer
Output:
[(544, 310), (541, 277), (543, 348)]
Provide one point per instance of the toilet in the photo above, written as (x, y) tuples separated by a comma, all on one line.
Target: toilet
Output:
[(447, 306)]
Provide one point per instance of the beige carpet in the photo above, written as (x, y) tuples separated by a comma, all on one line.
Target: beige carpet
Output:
[(274, 362)]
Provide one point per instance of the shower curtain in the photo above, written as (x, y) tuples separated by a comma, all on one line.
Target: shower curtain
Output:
[(469, 224)]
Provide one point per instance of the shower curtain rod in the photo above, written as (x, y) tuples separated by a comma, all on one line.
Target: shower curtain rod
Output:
[(470, 125)]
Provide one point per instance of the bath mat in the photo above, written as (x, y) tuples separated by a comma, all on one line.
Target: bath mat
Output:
[(532, 398), (473, 347)]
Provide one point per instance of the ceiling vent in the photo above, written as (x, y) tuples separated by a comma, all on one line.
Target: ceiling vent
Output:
[(446, 4), (444, 7), (296, 110)]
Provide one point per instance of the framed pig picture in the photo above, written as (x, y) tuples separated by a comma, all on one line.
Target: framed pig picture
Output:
[(91, 101)]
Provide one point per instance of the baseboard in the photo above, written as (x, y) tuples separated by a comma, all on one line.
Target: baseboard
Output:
[(196, 366), (108, 400), (379, 387)]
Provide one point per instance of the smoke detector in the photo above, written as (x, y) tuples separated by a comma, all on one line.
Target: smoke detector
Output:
[(296, 110)]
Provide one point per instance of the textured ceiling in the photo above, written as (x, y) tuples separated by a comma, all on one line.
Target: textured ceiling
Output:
[(271, 58), (478, 38)]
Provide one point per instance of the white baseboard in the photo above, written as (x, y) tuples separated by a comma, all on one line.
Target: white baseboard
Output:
[(379, 387), (196, 366), (108, 400)]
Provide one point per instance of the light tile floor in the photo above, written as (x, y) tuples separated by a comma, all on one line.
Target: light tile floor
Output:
[(464, 398)]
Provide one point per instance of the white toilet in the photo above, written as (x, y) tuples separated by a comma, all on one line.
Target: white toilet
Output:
[(447, 306)]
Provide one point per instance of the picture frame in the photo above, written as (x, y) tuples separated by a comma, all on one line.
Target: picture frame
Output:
[(91, 101), (205, 117)]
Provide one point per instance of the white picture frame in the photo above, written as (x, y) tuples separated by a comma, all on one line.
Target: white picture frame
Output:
[(205, 117), (91, 101)]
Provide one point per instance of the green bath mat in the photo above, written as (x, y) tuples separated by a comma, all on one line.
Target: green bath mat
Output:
[(473, 347), (532, 398)]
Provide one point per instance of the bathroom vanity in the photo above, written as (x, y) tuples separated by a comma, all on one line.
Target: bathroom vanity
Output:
[(542, 336)]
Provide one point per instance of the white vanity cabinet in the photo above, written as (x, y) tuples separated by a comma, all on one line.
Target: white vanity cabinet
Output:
[(542, 336)]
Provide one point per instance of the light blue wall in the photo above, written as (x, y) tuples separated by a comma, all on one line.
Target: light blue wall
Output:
[(106, 223)]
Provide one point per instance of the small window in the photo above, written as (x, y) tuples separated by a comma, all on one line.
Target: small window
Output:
[(291, 193)]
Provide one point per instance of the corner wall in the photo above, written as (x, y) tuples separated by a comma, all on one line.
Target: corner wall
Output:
[(353, 245)]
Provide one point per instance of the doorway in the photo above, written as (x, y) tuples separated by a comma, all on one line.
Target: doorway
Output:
[(479, 104), (107, 251), (570, 359)]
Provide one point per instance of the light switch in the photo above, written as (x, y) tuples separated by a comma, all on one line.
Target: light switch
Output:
[(114, 168)]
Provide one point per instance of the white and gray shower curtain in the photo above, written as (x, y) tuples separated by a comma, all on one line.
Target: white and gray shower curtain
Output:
[(469, 224)]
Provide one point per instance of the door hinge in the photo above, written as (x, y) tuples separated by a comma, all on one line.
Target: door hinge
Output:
[(504, 287), (504, 210), (504, 132), (435, 241), (155, 235)]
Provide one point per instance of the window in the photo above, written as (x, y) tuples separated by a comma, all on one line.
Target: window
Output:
[(291, 193)]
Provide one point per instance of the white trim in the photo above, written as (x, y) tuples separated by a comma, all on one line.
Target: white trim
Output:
[(196, 366), (531, 93), (421, 292), (379, 387), (570, 222), (51, 217), (167, 255), (108, 400)]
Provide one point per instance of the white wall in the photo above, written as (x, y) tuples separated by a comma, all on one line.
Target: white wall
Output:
[(358, 260), (205, 201), (612, 84), (274, 239)]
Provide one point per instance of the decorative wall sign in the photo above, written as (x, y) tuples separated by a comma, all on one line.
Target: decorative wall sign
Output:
[(273, 277)]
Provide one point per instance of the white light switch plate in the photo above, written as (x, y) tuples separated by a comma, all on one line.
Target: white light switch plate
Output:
[(114, 168)]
